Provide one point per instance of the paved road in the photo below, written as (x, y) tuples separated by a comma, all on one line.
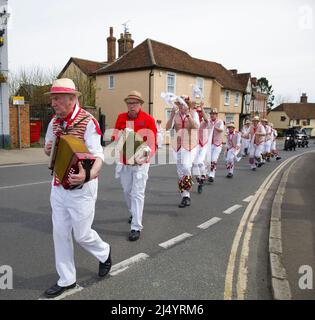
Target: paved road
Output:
[(192, 269)]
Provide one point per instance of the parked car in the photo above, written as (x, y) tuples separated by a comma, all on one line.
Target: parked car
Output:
[(290, 139)]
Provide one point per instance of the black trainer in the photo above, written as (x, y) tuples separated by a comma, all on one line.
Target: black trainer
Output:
[(104, 267), (230, 175), (56, 290), (210, 179), (134, 235)]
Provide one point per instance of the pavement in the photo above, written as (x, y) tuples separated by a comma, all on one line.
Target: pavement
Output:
[(193, 268)]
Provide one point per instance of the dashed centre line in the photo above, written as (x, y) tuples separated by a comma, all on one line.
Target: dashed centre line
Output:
[(209, 223), (124, 265), (172, 242), (248, 199), (232, 209)]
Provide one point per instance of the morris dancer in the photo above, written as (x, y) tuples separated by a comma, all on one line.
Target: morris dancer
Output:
[(274, 150), (216, 136), (199, 168), (245, 139), (160, 135), (73, 210), (268, 141), (133, 177), (184, 121), (233, 146), (257, 137)]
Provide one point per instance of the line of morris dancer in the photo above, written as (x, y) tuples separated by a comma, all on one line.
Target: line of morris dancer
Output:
[(257, 139), (245, 138), (233, 147), (184, 120), (216, 136)]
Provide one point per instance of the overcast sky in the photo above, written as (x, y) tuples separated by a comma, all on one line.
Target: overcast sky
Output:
[(273, 38)]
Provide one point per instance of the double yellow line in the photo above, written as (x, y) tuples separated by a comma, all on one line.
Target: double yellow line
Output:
[(246, 227)]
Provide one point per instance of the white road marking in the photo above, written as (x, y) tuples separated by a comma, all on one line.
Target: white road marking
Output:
[(172, 242), (124, 265), (65, 294), (23, 165), (25, 185), (248, 199), (209, 223), (232, 209)]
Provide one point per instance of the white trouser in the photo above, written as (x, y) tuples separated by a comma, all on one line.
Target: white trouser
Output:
[(255, 152), (215, 153), (159, 138), (133, 180), (73, 210), (184, 160), (230, 158), (199, 168), (267, 148), (274, 145), (245, 145)]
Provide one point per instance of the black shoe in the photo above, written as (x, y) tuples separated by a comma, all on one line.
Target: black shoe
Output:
[(104, 267), (210, 179), (278, 158), (268, 159), (254, 169), (56, 290), (200, 188), (183, 203), (134, 235), (230, 175), (130, 219), (259, 164)]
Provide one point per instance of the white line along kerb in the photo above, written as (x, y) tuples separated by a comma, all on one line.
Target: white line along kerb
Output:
[(172, 242), (209, 223)]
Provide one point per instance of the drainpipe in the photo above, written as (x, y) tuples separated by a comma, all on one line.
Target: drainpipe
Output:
[(151, 74)]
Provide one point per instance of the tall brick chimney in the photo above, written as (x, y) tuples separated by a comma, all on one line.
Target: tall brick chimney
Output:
[(125, 43), (304, 98), (234, 72), (111, 46)]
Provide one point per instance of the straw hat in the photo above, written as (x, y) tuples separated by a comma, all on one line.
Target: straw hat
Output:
[(63, 85), (247, 122), (230, 125), (214, 110), (256, 118), (135, 95), (264, 120)]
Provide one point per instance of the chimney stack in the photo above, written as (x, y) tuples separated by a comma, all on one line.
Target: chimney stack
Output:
[(234, 72), (304, 98), (111, 46), (125, 43)]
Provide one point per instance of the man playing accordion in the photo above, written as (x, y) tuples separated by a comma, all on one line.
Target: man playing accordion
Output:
[(73, 208)]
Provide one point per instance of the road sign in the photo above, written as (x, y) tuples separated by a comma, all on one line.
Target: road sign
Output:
[(18, 101)]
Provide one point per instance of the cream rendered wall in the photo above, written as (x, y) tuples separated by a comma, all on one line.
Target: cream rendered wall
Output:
[(73, 71), (275, 118), (111, 101)]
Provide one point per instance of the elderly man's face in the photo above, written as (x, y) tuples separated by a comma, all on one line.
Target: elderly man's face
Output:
[(62, 103), (134, 107)]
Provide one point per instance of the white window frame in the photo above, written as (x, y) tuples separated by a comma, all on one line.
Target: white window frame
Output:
[(237, 99), (111, 82), (167, 83), (231, 117), (227, 103), (200, 82)]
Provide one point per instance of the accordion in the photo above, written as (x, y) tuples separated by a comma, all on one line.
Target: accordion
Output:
[(132, 147), (66, 153)]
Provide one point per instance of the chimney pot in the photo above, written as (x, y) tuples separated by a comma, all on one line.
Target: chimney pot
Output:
[(304, 98)]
